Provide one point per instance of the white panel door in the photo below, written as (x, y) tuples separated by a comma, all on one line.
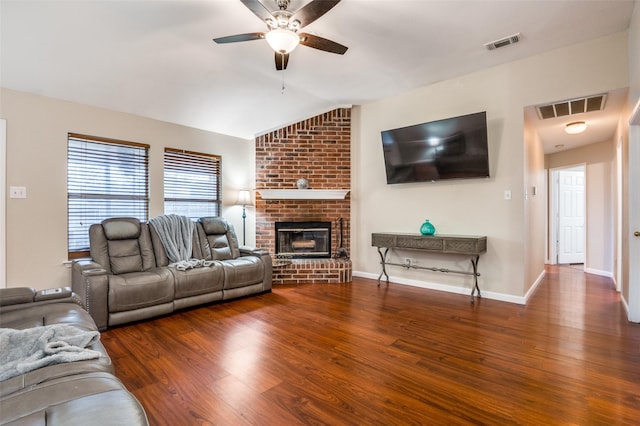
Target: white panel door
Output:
[(571, 217), (3, 206)]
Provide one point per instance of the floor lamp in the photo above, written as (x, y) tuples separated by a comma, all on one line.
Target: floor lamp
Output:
[(244, 199)]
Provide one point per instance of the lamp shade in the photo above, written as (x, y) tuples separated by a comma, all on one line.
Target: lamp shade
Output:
[(244, 198), (575, 127), (282, 40)]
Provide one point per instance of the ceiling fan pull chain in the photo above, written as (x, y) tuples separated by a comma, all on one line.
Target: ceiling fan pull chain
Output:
[(283, 70)]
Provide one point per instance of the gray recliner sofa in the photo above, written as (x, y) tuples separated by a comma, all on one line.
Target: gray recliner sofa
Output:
[(58, 393), (129, 276)]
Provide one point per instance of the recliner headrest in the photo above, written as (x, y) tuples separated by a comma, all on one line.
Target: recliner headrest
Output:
[(121, 228), (214, 225)]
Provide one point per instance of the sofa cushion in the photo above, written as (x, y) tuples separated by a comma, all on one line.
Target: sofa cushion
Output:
[(196, 281), (214, 225), (92, 398), (47, 314), (124, 256), (121, 228), (140, 289), (217, 239), (39, 314), (220, 249), (243, 271)]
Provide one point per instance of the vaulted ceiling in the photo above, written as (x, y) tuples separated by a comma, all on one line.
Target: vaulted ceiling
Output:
[(157, 58)]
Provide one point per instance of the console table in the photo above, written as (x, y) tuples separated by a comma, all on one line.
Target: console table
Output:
[(472, 246)]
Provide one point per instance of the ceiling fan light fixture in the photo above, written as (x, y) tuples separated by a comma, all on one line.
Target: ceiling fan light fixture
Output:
[(282, 40), (575, 127)]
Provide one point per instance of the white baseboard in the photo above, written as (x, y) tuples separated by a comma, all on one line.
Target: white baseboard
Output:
[(535, 285), (444, 287), (599, 272), (625, 305)]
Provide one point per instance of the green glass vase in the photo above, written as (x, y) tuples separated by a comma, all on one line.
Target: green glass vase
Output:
[(427, 228)]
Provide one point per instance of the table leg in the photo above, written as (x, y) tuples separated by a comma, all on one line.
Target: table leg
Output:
[(474, 263), (383, 258)]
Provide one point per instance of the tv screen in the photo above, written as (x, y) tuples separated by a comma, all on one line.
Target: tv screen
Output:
[(453, 148)]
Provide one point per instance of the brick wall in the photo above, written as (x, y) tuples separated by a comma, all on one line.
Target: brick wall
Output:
[(318, 149)]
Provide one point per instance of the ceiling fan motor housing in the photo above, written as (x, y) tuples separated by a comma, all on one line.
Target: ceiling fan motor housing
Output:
[(282, 4)]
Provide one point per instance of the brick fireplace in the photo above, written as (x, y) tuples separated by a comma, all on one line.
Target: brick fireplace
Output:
[(319, 150)]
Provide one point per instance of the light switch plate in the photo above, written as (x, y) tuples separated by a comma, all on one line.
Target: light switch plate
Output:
[(507, 194)]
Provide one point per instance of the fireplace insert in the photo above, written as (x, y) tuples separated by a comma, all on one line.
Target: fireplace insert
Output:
[(302, 240)]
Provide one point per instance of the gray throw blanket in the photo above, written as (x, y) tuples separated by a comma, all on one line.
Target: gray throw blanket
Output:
[(176, 235), (22, 351)]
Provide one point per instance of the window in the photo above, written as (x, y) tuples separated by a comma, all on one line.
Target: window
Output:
[(105, 178), (192, 183)]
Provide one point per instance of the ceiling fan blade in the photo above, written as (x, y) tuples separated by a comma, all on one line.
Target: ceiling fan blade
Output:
[(239, 37), (313, 11), (320, 43), (258, 9), (282, 59)]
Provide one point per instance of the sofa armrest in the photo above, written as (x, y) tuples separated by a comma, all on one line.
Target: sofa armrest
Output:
[(252, 251), (52, 294), (17, 298), (91, 282), (17, 295), (266, 259)]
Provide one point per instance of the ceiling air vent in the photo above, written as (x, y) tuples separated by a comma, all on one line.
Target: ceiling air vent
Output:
[(572, 107), (506, 41)]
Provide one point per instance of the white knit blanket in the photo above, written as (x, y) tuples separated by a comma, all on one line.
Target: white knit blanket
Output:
[(176, 235), (22, 351), (183, 265)]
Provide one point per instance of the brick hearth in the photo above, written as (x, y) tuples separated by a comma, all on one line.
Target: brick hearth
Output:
[(318, 149)]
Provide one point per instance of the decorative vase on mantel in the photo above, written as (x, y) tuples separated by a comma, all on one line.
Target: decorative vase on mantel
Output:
[(427, 228), (302, 183)]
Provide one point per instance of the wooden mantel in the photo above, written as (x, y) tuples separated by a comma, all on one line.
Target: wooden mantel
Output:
[(302, 194)]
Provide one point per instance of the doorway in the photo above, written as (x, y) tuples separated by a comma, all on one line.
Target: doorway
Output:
[(568, 216), (634, 216)]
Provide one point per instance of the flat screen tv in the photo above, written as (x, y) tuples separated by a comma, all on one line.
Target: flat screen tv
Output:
[(453, 148)]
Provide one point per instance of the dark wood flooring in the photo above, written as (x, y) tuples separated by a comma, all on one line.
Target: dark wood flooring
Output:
[(356, 354)]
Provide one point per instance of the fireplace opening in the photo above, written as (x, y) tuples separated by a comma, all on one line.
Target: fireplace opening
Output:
[(300, 240)]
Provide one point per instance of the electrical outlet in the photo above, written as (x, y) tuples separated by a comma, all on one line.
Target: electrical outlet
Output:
[(408, 261), (507, 194), (17, 192)]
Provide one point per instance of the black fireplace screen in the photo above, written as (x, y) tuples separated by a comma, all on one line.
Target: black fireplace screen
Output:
[(299, 240)]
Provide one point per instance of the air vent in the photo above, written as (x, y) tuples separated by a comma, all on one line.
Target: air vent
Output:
[(572, 107), (503, 42)]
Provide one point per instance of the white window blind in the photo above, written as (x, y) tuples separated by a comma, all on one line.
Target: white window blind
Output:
[(192, 183), (105, 178)]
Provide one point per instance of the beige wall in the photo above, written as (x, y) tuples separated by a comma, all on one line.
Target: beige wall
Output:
[(535, 208), (37, 130), (630, 146), (634, 55), (599, 159), (474, 207)]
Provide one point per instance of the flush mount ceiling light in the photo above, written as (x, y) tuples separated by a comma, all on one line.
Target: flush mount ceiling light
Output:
[(282, 40), (575, 127)]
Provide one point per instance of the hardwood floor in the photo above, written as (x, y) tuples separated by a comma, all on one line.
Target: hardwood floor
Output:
[(356, 354)]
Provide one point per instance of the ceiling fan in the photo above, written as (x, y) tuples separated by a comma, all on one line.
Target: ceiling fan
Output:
[(283, 27)]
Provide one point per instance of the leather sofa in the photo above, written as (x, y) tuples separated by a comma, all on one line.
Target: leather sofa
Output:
[(70, 393), (129, 276)]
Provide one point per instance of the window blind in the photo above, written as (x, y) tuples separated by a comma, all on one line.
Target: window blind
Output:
[(192, 183), (105, 178)]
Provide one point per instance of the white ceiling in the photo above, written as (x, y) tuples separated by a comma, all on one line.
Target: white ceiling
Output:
[(157, 58)]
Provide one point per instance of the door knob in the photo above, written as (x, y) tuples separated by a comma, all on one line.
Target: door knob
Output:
[(637, 233)]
